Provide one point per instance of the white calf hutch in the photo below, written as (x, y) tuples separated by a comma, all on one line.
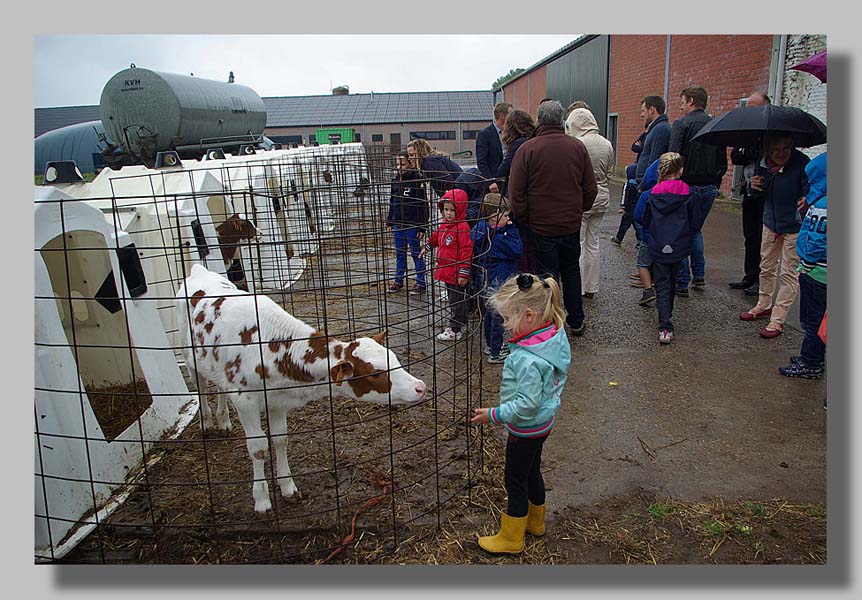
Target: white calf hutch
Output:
[(98, 342)]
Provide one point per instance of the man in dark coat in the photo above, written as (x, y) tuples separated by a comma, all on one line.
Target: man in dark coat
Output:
[(705, 166), (752, 210), (489, 142), (551, 184), (654, 145)]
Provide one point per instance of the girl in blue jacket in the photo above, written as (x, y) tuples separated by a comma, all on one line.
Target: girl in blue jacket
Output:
[(533, 378)]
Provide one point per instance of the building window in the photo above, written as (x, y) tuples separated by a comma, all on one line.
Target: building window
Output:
[(432, 135), (470, 134), (286, 139), (357, 137), (376, 137)]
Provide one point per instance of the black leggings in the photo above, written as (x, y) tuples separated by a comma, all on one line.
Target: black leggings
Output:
[(523, 476)]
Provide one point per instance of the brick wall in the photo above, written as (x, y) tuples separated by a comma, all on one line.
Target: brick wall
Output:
[(524, 93), (729, 67), (636, 70)]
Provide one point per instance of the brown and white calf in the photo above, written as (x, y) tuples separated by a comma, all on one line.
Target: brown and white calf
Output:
[(263, 358), (231, 232)]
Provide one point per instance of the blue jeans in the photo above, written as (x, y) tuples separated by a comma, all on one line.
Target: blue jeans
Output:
[(665, 290), (404, 237), (493, 328), (705, 196), (812, 305), (559, 257)]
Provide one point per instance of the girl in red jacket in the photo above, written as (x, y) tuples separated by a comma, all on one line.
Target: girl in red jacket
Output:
[(454, 254)]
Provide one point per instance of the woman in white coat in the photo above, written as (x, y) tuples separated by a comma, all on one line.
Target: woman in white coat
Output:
[(581, 124)]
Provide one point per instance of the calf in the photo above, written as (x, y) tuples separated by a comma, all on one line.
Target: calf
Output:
[(231, 233), (261, 357)]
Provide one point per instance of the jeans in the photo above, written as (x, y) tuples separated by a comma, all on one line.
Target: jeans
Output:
[(630, 199), (697, 266), (523, 474), (493, 329), (752, 229), (559, 257), (705, 195), (404, 237), (812, 305), (665, 290)]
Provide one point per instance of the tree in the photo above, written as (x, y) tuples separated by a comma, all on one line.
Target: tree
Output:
[(503, 78)]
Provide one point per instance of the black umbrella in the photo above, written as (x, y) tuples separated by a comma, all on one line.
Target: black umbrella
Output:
[(745, 126)]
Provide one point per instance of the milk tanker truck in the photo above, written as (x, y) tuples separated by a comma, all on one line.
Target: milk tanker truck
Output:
[(145, 112)]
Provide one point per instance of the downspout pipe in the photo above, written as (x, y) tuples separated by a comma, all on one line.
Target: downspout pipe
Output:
[(666, 70), (778, 92)]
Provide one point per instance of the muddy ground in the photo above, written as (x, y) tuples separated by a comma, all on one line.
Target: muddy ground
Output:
[(697, 452)]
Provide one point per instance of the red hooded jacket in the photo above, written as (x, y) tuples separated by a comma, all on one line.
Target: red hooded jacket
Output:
[(452, 240)]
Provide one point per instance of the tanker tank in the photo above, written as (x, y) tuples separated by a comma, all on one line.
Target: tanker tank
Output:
[(145, 112)]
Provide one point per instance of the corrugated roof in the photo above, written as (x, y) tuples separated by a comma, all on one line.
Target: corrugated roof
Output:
[(352, 109), (363, 109), (49, 119)]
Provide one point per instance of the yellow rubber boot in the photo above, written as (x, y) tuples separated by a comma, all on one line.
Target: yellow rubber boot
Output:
[(510, 538), (535, 519)]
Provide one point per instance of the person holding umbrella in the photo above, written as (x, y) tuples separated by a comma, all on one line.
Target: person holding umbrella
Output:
[(752, 210), (780, 178)]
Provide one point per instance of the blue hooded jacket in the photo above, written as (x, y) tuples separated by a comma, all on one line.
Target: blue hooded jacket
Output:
[(497, 250), (534, 375), (668, 215), (811, 243)]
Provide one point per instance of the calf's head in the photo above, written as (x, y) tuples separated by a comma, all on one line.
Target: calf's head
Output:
[(368, 370)]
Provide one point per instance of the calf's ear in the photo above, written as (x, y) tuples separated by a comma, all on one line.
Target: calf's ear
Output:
[(380, 337), (343, 369)]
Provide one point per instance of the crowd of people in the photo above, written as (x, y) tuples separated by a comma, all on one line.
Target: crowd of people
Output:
[(521, 233)]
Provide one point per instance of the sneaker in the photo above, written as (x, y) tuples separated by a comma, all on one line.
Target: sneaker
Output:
[(636, 283), (665, 336), (615, 240), (682, 292), (798, 370), (496, 360), (635, 276), (504, 350), (487, 350), (589, 295), (579, 331), (698, 284), (739, 285), (417, 290), (752, 290), (395, 287), (647, 297), (449, 335)]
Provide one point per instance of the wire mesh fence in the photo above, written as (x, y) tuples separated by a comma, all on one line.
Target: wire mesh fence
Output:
[(126, 472)]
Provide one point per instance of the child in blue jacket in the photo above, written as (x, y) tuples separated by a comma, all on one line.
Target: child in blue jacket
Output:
[(671, 219), (496, 250), (534, 375), (811, 248)]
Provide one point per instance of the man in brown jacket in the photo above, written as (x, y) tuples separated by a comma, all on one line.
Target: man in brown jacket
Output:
[(551, 184)]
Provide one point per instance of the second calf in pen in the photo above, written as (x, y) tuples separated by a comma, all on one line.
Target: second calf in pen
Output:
[(263, 358)]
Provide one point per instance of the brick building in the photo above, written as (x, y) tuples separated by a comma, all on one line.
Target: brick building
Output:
[(613, 73)]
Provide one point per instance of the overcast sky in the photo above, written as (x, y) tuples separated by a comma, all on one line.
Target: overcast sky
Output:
[(71, 70)]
